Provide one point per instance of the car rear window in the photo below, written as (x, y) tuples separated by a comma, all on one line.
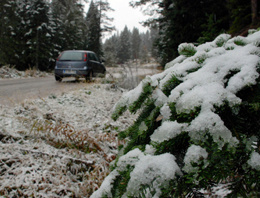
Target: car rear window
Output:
[(73, 56)]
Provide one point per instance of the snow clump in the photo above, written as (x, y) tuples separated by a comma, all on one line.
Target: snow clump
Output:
[(194, 155), (254, 161)]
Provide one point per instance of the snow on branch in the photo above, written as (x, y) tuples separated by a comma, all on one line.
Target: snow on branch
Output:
[(204, 97)]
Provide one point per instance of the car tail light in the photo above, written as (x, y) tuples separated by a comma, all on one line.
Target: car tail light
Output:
[(85, 57), (58, 57)]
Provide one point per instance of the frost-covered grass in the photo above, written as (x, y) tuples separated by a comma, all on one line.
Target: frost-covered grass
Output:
[(59, 146), (198, 129), (10, 72)]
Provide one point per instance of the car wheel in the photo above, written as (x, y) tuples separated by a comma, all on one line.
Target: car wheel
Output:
[(104, 74), (89, 77), (58, 78)]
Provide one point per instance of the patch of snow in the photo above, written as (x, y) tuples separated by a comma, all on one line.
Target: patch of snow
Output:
[(143, 127), (152, 171), (11, 72), (179, 59), (207, 121), (195, 154), (254, 161), (167, 131), (28, 33), (165, 112), (159, 97), (131, 158), (106, 185)]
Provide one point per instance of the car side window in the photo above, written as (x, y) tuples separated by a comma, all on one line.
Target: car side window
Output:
[(95, 57), (90, 56)]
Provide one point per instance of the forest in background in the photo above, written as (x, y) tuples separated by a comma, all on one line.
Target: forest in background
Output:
[(130, 45), (34, 32), (197, 21)]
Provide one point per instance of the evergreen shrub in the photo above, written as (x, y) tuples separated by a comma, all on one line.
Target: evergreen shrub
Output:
[(198, 128)]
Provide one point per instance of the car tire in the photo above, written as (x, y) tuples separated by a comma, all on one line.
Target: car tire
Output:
[(103, 75), (89, 77), (58, 78)]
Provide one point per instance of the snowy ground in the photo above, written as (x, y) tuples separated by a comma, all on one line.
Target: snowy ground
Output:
[(60, 146), (129, 75), (10, 72)]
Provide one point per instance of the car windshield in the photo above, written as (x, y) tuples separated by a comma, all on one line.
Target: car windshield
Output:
[(72, 56)]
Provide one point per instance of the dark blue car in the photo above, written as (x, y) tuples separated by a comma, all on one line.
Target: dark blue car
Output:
[(78, 64)]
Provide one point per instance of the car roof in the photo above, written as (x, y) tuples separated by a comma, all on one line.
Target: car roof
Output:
[(87, 51)]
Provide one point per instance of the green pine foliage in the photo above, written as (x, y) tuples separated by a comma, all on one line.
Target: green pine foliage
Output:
[(187, 49), (240, 14), (93, 29), (9, 23), (170, 85), (198, 125)]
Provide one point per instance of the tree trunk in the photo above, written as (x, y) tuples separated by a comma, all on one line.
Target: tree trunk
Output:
[(254, 11)]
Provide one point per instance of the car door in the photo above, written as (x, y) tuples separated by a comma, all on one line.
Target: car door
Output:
[(92, 63), (97, 67)]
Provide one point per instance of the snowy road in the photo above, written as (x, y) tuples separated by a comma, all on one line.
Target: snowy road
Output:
[(13, 91), (16, 90)]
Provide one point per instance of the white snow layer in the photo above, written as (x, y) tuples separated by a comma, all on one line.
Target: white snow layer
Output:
[(148, 170), (167, 131), (206, 87), (194, 155), (153, 172), (254, 161), (106, 186)]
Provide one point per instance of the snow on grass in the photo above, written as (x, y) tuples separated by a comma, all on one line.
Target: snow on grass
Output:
[(59, 146), (10, 72)]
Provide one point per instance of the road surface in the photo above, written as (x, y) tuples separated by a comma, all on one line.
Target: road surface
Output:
[(13, 91)]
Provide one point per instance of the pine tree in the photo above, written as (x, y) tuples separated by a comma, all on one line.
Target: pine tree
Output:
[(183, 21), (32, 35), (8, 31), (254, 8), (217, 20), (39, 40), (105, 21), (93, 29), (140, 45), (154, 37), (68, 16), (135, 44), (110, 50), (240, 14), (146, 46), (124, 53), (197, 126)]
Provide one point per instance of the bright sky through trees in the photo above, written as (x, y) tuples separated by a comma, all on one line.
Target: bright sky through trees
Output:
[(124, 14)]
